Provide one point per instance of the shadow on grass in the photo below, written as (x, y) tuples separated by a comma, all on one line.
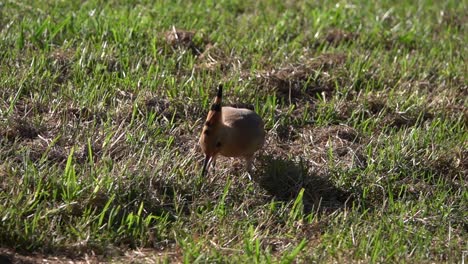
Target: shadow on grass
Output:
[(284, 179)]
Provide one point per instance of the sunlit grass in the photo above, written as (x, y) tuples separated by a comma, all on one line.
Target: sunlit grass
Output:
[(365, 106)]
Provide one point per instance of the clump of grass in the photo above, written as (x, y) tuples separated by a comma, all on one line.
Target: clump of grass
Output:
[(101, 106)]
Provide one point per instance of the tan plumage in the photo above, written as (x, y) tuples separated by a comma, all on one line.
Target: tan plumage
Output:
[(231, 132)]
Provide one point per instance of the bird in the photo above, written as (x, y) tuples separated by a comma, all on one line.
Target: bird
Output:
[(230, 132)]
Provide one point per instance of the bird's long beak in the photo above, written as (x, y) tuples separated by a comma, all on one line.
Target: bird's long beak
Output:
[(205, 164)]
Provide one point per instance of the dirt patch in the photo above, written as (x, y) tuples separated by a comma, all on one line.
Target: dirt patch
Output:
[(335, 37), (403, 120), (286, 133), (26, 108), (21, 128), (61, 61), (302, 80), (81, 114), (184, 39), (40, 148), (179, 38), (8, 256), (215, 60), (375, 104), (158, 105)]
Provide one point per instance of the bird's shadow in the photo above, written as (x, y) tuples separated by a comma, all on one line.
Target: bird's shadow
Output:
[(284, 179)]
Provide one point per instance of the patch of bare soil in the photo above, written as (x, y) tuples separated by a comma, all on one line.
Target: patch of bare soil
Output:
[(401, 120), (10, 256), (179, 38), (302, 80), (336, 37), (21, 124), (184, 39), (21, 128), (214, 60), (61, 61), (286, 133), (26, 108), (158, 105)]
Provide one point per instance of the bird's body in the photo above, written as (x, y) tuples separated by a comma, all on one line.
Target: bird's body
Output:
[(231, 132), (244, 130)]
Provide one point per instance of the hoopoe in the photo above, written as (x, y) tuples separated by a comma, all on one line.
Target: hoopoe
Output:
[(231, 132)]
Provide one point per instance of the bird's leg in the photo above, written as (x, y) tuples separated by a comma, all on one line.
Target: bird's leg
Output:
[(213, 163), (205, 165), (248, 162)]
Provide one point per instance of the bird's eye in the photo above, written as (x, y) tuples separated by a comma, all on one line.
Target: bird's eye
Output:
[(218, 144)]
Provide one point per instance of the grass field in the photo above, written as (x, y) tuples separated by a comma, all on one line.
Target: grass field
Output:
[(366, 111)]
